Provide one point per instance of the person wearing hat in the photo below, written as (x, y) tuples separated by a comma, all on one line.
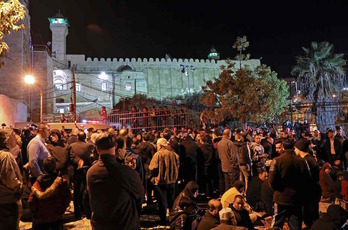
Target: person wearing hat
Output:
[(165, 167), (288, 177), (113, 189), (313, 190), (227, 219), (11, 182)]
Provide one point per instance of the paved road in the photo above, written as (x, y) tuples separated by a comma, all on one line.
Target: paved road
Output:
[(148, 219)]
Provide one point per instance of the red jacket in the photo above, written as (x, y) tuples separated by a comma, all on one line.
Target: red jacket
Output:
[(344, 185), (49, 199)]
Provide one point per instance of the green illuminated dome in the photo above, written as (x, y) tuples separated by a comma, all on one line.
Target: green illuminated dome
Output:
[(214, 54), (58, 19)]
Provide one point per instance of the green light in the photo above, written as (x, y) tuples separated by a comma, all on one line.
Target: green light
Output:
[(213, 55), (58, 21)]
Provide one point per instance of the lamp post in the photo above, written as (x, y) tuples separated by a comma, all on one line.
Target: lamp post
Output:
[(185, 70), (30, 80)]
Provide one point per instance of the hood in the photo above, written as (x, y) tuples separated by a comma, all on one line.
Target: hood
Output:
[(239, 143)]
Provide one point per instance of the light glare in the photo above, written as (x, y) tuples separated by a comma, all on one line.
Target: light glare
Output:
[(29, 79)]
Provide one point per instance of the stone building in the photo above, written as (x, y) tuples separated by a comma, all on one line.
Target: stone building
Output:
[(22, 59), (101, 82)]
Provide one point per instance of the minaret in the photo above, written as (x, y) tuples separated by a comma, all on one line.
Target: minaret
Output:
[(59, 27), (214, 54)]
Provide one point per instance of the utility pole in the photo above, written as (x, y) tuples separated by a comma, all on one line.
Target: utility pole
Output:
[(74, 93), (135, 86), (113, 91)]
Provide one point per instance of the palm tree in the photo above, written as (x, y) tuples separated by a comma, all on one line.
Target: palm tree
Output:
[(320, 74)]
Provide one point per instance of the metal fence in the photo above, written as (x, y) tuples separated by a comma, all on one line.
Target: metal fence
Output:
[(329, 114), (153, 120)]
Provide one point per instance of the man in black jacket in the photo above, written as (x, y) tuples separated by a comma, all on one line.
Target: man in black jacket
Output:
[(244, 159), (80, 156), (113, 189), (205, 157), (288, 176), (189, 158), (313, 193), (211, 217), (332, 148), (253, 194)]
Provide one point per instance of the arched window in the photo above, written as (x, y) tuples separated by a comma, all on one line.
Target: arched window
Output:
[(60, 80)]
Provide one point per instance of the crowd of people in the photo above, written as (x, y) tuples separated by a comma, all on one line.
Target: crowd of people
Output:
[(252, 177)]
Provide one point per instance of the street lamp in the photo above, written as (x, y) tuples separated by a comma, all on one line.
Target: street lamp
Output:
[(185, 70), (30, 80)]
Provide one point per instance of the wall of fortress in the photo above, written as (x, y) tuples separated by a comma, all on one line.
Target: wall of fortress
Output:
[(158, 78)]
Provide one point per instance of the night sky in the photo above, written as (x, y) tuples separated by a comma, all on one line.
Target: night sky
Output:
[(276, 30)]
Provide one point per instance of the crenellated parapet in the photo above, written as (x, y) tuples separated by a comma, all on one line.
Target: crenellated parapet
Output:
[(113, 64)]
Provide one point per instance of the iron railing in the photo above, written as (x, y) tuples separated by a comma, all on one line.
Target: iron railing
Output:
[(153, 120)]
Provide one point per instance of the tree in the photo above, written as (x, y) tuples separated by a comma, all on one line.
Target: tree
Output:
[(248, 95), (191, 101), (11, 13), (320, 75), (240, 45)]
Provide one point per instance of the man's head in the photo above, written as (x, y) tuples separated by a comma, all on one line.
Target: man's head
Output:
[(81, 136), (43, 130), (7, 138), (227, 133), (288, 144), (238, 137), (111, 131), (316, 133), (238, 202), (121, 147), (55, 136), (167, 134), (302, 144), (214, 206), (49, 165), (257, 139), (123, 132), (262, 173), (330, 134), (281, 134), (162, 144), (338, 131), (226, 216), (105, 143), (279, 146)]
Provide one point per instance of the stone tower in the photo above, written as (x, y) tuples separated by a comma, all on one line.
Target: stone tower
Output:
[(59, 27)]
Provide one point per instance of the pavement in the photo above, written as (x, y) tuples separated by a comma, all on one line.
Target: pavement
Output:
[(149, 218)]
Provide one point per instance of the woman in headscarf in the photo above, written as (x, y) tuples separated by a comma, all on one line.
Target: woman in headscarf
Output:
[(58, 150), (326, 183), (184, 211)]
